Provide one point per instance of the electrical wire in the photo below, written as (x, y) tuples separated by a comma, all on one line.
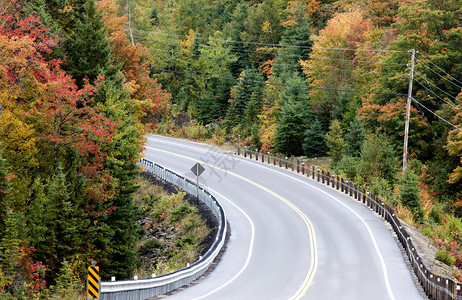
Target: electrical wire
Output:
[(430, 83), (429, 90), (435, 114), (307, 57), (277, 55), (278, 45), (279, 84), (428, 122), (427, 59), (289, 65), (428, 67)]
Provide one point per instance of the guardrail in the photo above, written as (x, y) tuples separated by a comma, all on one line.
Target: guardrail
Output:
[(436, 287), (146, 288)]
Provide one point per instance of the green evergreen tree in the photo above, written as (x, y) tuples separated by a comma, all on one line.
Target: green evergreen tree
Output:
[(314, 142), (409, 193), (4, 190), (213, 104), (233, 30), (295, 114), (249, 90), (335, 142), (215, 60), (290, 129), (297, 33), (355, 137), (378, 158), (87, 49), (255, 142), (63, 226), (39, 218), (10, 252), (254, 105), (121, 229)]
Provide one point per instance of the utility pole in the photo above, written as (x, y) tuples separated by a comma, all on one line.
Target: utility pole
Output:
[(408, 110)]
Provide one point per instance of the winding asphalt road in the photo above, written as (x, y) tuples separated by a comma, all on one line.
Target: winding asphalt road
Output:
[(291, 238)]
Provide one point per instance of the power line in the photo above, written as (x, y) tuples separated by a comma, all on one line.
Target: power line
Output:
[(427, 59), (284, 64), (277, 45), (279, 84), (429, 90), (435, 114), (430, 83), (307, 57), (353, 60), (428, 122), (428, 67)]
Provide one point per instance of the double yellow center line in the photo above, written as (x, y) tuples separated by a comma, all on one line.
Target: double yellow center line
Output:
[(312, 236)]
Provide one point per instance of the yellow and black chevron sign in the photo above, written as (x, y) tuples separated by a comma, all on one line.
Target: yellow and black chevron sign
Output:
[(93, 282)]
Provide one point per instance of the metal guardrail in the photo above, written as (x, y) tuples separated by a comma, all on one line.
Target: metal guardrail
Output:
[(436, 287), (146, 288)]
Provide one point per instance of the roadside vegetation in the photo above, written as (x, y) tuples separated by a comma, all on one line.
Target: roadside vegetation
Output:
[(174, 231)]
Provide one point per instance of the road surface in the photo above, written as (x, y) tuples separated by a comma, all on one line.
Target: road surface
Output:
[(291, 238)]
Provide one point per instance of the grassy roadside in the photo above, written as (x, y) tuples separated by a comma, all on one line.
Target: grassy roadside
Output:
[(176, 233)]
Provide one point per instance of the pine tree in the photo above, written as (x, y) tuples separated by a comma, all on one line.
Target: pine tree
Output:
[(4, 190), (378, 158), (314, 142), (247, 92), (57, 223), (121, 231), (296, 113), (354, 138), (290, 129), (335, 142), (409, 193), (213, 104), (233, 29), (87, 49), (10, 251)]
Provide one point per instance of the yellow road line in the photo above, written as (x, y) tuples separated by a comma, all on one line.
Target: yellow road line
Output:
[(312, 236)]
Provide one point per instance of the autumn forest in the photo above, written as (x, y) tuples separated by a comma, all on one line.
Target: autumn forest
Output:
[(82, 81)]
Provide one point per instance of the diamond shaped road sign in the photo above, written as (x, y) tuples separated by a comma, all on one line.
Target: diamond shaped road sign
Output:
[(197, 169)]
